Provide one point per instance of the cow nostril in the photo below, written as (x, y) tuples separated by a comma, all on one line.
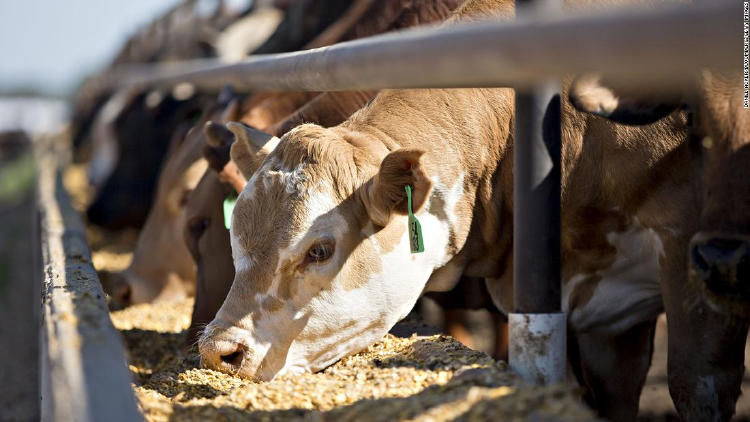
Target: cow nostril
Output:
[(715, 254), (123, 294), (699, 260), (234, 358), (723, 264)]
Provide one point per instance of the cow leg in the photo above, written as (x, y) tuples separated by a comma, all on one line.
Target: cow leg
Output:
[(614, 369), (706, 356), (502, 337), (455, 326)]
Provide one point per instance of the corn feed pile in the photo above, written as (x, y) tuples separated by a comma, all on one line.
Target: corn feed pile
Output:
[(430, 378)]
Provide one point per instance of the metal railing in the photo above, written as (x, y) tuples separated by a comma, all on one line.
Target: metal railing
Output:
[(660, 48)]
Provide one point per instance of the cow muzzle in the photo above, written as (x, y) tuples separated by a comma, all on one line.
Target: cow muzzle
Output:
[(227, 350), (118, 289), (720, 262)]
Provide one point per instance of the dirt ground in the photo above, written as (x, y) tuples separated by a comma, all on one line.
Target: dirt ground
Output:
[(19, 294)]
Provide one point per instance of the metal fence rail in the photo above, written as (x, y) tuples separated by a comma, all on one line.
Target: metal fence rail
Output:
[(652, 48)]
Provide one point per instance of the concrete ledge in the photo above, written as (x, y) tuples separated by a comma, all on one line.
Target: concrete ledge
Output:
[(84, 376)]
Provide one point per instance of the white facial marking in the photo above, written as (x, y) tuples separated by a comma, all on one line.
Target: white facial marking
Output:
[(629, 291)]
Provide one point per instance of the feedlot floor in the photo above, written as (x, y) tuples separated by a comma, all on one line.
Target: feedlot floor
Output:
[(430, 378)]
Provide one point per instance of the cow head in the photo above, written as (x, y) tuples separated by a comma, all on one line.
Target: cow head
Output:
[(720, 251), (208, 242), (321, 252), (719, 255)]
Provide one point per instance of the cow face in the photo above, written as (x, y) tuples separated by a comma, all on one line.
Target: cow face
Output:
[(719, 254), (208, 242), (321, 254), (162, 268)]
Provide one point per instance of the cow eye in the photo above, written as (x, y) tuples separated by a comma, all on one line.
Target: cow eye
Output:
[(320, 251), (197, 226)]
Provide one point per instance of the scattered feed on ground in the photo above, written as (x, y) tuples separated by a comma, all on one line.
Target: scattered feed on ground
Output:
[(429, 378)]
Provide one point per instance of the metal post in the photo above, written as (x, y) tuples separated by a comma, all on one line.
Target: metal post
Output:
[(537, 327)]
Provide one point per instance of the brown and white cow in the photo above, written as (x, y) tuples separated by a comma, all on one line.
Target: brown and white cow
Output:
[(321, 248), (716, 300), (206, 234)]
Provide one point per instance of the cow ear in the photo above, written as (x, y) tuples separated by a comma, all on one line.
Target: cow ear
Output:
[(590, 94), (251, 148), (218, 143), (385, 194), (217, 152)]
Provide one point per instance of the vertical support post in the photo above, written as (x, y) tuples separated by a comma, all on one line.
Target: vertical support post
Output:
[(537, 326)]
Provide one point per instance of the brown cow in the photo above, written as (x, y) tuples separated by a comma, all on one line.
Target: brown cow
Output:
[(321, 247), (719, 254), (147, 278), (208, 243)]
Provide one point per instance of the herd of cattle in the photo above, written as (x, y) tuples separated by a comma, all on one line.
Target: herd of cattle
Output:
[(317, 262)]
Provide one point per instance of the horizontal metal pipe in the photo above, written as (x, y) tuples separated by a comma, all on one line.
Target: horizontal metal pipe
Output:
[(660, 48)]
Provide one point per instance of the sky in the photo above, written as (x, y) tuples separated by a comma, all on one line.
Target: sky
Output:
[(50, 45)]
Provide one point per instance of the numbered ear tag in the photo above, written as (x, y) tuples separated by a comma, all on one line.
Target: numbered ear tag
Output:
[(415, 229), (229, 203)]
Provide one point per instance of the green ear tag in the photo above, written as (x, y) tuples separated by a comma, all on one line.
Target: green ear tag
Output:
[(228, 208), (415, 229)]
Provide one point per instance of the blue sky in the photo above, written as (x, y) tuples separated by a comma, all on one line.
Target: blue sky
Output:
[(51, 44)]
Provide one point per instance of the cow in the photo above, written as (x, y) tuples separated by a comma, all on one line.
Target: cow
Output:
[(325, 109), (204, 233), (322, 256), (147, 278), (715, 301), (208, 243), (140, 137)]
